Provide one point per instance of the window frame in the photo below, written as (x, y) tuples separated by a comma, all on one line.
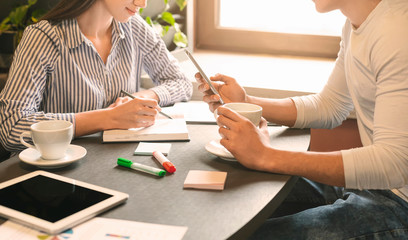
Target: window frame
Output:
[(208, 34)]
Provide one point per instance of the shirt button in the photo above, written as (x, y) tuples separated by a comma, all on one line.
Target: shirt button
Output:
[(106, 72)]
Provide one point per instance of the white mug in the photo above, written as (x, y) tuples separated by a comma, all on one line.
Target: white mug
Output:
[(51, 138), (251, 111)]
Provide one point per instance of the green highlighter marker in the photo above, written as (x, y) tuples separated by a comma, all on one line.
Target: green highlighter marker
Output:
[(143, 168)]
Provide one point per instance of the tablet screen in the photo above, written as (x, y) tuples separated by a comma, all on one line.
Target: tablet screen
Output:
[(48, 198)]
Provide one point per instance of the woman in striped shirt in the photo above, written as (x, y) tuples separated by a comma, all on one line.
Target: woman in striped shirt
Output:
[(73, 64)]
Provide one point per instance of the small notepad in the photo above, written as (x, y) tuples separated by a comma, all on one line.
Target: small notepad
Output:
[(147, 148), (212, 180)]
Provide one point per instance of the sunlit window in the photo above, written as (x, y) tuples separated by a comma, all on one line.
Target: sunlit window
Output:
[(277, 27), (285, 16)]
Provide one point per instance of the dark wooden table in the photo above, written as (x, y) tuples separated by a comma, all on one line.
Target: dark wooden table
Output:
[(248, 199)]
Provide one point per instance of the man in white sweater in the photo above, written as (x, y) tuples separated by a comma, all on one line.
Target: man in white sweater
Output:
[(352, 192)]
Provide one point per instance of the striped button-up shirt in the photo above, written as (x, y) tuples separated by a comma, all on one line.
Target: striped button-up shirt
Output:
[(57, 72)]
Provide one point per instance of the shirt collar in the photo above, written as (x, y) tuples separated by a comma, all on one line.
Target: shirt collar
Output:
[(375, 13), (73, 36), (117, 32)]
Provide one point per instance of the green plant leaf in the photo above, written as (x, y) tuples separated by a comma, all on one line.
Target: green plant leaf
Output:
[(162, 23), (4, 26), (17, 20), (181, 4), (180, 39), (166, 30), (37, 14), (149, 21), (17, 16), (31, 2), (168, 18)]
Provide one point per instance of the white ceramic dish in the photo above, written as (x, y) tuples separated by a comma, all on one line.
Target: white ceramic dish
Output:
[(217, 149), (33, 157)]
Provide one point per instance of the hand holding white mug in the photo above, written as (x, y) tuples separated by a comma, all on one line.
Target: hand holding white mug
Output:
[(51, 138), (251, 111)]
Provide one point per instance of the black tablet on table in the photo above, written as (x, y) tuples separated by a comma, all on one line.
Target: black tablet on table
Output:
[(53, 203)]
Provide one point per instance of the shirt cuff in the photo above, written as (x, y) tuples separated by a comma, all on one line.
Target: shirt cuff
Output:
[(163, 94), (349, 169), (300, 109)]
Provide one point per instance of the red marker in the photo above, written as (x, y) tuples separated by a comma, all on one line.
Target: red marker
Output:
[(164, 161)]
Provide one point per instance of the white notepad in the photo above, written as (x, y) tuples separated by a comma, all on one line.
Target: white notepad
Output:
[(212, 180), (162, 130), (147, 148)]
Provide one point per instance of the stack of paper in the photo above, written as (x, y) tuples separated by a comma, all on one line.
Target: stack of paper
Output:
[(212, 180)]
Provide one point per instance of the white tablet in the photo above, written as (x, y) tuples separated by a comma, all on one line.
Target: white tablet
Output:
[(52, 203)]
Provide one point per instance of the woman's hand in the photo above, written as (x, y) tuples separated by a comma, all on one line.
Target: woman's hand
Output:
[(128, 113), (119, 101), (243, 139), (124, 113), (229, 90)]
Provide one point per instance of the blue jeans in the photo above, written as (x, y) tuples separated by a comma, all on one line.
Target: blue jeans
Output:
[(317, 211)]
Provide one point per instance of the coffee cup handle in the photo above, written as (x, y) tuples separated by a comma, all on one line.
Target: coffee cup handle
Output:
[(26, 134)]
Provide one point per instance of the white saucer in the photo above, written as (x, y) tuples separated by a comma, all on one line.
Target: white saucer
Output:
[(33, 157), (217, 149)]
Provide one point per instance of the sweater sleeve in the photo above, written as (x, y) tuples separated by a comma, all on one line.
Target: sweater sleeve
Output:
[(331, 106)]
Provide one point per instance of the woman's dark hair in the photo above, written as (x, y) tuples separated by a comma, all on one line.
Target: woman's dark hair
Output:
[(67, 9)]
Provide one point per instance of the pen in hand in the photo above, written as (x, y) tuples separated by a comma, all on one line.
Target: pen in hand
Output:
[(133, 97)]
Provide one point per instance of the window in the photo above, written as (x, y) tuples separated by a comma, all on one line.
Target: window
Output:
[(287, 27)]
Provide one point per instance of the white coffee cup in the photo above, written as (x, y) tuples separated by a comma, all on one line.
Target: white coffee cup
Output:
[(51, 138), (251, 111)]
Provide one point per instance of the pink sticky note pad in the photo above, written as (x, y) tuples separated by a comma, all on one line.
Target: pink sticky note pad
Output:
[(212, 180)]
